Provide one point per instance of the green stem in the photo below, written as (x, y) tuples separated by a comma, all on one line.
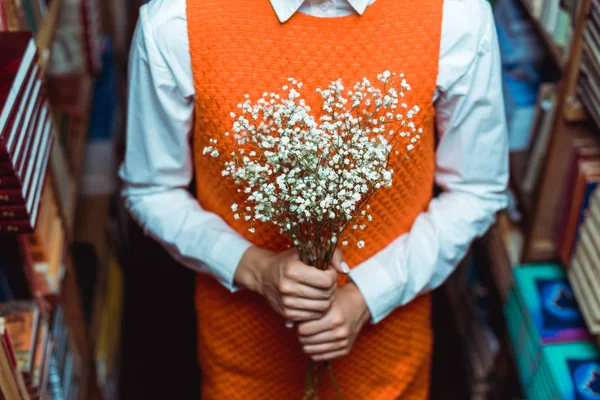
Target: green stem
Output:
[(333, 380), (308, 384)]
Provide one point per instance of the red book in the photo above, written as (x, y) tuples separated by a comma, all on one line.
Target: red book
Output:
[(6, 168), (27, 225), (13, 212), (20, 120), (24, 155), (588, 176), (26, 194), (584, 150), (16, 60), (3, 19)]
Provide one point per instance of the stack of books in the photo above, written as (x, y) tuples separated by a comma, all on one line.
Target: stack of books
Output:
[(66, 364), (584, 270), (25, 133), (567, 371), (28, 330), (468, 300), (542, 315), (78, 40), (43, 252), (589, 78), (581, 180), (556, 20)]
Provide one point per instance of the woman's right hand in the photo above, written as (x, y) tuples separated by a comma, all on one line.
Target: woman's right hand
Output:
[(295, 290)]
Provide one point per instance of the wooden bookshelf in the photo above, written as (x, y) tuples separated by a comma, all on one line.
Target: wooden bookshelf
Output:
[(542, 221), (557, 53)]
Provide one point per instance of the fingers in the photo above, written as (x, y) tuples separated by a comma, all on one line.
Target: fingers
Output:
[(297, 272), (323, 348), (301, 315), (332, 355), (293, 289), (337, 261), (325, 337), (333, 319), (298, 303)]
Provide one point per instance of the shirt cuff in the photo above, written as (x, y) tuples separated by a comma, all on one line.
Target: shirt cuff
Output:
[(225, 259), (380, 290)]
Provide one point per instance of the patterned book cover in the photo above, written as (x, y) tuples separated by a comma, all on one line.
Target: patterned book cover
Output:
[(575, 370), (549, 300)]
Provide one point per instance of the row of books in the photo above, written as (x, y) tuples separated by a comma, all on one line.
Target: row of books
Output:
[(555, 19), (555, 355), (27, 346), (22, 15), (25, 133), (77, 45), (37, 357), (588, 87), (584, 269), (581, 179), (468, 300)]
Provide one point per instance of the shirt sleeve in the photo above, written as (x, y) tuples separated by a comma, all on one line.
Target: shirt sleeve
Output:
[(157, 168), (471, 167)]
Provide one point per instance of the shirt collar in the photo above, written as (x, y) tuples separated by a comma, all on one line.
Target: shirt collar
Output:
[(286, 8)]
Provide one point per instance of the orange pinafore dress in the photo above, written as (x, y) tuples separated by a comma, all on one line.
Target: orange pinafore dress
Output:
[(238, 47)]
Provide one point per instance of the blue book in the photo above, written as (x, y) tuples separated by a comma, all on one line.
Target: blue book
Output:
[(575, 370), (548, 299)]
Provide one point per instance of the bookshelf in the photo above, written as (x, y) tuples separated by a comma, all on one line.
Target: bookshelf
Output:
[(70, 110), (541, 208)]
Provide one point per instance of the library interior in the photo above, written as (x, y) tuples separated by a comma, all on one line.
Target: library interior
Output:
[(93, 308)]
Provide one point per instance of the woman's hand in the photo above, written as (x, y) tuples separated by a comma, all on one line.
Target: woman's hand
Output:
[(333, 335), (296, 291)]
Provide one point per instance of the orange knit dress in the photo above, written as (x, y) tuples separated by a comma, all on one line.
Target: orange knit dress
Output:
[(239, 47)]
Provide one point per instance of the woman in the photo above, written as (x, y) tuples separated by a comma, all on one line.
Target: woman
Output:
[(191, 63)]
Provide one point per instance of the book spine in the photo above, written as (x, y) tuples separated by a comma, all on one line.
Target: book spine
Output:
[(22, 226), (11, 197), (6, 168), (13, 213), (589, 190), (3, 20), (9, 182)]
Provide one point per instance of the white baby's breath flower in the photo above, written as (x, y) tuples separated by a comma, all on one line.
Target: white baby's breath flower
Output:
[(299, 172), (360, 244)]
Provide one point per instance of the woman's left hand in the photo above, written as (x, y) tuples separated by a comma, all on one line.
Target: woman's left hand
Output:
[(333, 335)]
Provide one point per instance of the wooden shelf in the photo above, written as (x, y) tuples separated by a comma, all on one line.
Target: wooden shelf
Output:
[(517, 166), (575, 111), (555, 50), (45, 36), (503, 243)]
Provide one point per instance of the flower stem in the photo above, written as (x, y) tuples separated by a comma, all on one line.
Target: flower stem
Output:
[(333, 380)]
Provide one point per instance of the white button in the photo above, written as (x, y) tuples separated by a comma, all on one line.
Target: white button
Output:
[(325, 5)]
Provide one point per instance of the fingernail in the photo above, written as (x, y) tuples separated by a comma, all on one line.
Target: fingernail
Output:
[(345, 267), (289, 324)]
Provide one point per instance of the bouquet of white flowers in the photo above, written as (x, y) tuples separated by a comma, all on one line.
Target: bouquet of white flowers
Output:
[(313, 180)]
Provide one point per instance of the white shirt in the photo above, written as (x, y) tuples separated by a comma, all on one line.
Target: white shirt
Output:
[(471, 157)]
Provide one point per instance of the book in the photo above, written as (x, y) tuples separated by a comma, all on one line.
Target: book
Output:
[(587, 179), (9, 385), (21, 320), (547, 298), (541, 132), (574, 371)]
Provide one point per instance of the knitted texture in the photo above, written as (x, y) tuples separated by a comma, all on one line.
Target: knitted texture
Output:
[(240, 47)]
